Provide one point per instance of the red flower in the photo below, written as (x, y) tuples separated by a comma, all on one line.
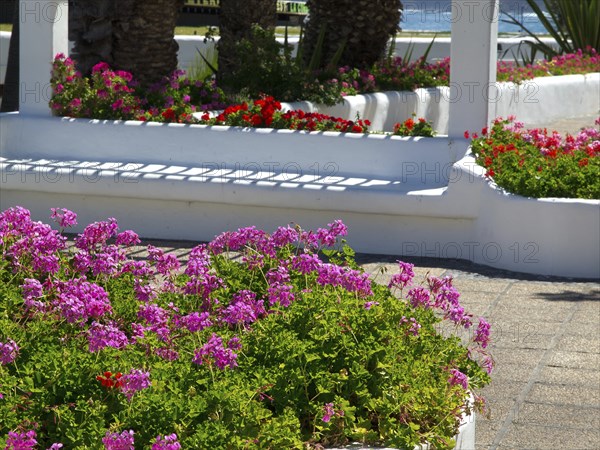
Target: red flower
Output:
[(466, 135), (168, 114), (409, 123), (256, 120), (110, 380), (583, 162)]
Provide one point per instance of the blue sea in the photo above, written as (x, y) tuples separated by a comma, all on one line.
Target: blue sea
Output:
[(438, 15)]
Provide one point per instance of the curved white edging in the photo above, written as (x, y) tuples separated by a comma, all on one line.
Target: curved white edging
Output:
[(402, 196), (550, 236), (537, 101)]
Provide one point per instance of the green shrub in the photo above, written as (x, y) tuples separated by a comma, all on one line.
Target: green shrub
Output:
[(261, 341)]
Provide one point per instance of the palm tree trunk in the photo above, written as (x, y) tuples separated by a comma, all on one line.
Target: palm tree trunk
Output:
[(235, 23), (132, 35), (364, 25), (10, 96), (144, 41), (91, 27)]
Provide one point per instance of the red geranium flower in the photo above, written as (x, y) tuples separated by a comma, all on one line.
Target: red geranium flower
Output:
[(168, 114)]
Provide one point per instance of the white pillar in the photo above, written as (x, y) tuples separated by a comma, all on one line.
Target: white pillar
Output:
[(473, 54), (44, 33)]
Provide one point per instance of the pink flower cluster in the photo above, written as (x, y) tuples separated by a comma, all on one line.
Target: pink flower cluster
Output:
[(134, 381), (329, 412), (126, 441), (8, 352), (21, 441), (119, 441), (441, 295), (580, 62), (208, 302), (215, 352), (168, 442)]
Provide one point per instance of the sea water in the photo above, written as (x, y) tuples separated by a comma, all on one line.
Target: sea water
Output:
[(438, 15)]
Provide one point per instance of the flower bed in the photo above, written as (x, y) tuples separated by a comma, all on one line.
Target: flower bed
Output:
[(109, 94), (537, 163), (260, 340), (115, 95)]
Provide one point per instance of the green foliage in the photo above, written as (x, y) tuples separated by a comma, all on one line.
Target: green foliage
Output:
[(267, 67), (205, 66), (574, 24), (264, 64)]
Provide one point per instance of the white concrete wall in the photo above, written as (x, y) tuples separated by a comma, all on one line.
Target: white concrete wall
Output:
[(385, 109), (538, 101), (546, 99), (398, 196)]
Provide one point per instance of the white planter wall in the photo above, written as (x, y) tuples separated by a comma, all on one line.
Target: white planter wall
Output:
[(402, 196), (538, 101)]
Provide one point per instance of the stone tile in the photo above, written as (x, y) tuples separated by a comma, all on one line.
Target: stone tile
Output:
[(575, 360), (525, 340), (525, 437), (581, 344), (523, 330), (553, 290), (564, 395), (479, 286), (498, 412), (474, 297), (516, 373), (588, 313), (524, 357), (578, 377), (561, 416), (590, 330), (485, 432), (530, 312), (502, 392)]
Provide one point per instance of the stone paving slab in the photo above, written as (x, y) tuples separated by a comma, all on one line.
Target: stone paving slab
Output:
[(576, 377), (569, 416)]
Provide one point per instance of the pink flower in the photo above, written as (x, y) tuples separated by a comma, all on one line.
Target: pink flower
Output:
[(458, 378), (100, 67), (64, 217), (330, 412)]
